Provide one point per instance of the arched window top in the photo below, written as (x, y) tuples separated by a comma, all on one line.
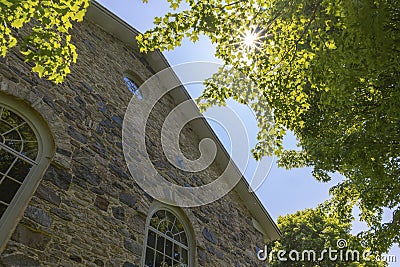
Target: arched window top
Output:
[(167, 224), (17, 136), (26, 148), (168, 240), (133, 84)]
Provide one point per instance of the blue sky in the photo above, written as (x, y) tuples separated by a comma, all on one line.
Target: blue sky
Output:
[(284, 191)]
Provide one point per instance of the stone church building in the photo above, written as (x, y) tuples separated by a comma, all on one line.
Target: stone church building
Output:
[(67, 197)]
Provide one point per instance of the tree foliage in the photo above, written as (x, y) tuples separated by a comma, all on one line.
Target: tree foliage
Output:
[(327, 70), (48, 45), (317, 230)]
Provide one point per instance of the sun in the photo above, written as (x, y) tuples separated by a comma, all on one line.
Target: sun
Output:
[(250, 39)]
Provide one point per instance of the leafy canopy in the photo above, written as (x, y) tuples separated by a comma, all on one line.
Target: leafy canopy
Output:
[(48, 45), (327, 70), (311, 231)]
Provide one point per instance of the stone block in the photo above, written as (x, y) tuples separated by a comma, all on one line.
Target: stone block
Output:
[(127, 199), (62, 214), (133, 246), (86, 174), (21, 260), (30, 237), (58, 177), (101, 203), (209, 236), (118, 213), (76, 258), (38, 215), (48, 194), (75, 134)]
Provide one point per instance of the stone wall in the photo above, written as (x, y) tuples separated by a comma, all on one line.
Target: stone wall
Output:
[(88, 210)]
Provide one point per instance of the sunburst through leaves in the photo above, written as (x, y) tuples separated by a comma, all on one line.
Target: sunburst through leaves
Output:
[(251, 39)]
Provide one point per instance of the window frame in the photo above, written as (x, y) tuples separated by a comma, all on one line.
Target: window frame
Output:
[(46, 151), (181, 216)]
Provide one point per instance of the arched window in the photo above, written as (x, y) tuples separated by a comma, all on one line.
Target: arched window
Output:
[(132, 85), (26, 148), (168, 240)]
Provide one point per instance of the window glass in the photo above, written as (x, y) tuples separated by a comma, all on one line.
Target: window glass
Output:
[(18, 153), (133, 87), (167, 244)]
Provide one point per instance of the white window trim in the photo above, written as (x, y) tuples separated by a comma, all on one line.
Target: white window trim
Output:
[(46, 151), (180, 215)]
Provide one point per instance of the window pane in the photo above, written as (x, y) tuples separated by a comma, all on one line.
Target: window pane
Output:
[(179, 227), (171, 217), (161, 226), (11, 118), (19, 170), (8, 189), (149, 260), (2, 209), (6, 160), (160, 214), (184, 258), (167, 261), (13, 143), (157, 218), (159, 259), (183, 239), (177, 252), (30, 148), (151, 239), (27, 133), (174, 230), (160, 243), (4, 127), (168, 248)]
